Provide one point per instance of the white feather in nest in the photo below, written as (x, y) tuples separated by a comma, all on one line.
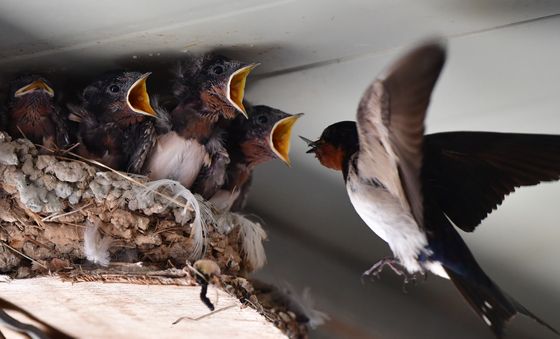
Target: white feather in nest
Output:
[(306, 305), (96, 246), (251, 234), (202, 213)]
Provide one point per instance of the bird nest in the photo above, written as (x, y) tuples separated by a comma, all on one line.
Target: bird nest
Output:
[(66, 217)]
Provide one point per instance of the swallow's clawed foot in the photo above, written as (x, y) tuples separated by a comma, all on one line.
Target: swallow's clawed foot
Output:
[(378, 267), (413, 278), (395, 266)]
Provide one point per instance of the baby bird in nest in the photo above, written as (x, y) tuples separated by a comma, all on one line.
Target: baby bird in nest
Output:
[(190, 150), (116, 121), (33, 113), (250, 142)]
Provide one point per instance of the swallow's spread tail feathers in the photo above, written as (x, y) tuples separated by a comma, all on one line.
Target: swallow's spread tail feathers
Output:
[(490, 303)]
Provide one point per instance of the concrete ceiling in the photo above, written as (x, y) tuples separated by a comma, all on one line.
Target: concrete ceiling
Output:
[(317, 57)]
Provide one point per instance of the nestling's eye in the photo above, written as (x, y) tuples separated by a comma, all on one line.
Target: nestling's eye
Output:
[(114, 88), (263, 119), (218, 69)]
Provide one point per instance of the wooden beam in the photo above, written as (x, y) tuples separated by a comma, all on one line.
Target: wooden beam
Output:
[(100, 310)]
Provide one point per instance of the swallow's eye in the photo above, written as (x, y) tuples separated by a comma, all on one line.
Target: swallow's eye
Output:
[(114, 88), (218, 69), (263, 119)]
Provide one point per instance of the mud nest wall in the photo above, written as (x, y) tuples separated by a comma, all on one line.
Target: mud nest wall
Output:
[(50, 201)]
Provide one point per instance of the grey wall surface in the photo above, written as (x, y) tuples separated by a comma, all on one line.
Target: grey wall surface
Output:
[(317, 57)]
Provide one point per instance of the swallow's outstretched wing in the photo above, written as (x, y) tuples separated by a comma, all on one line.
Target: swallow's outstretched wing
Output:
[(470, 173), (391, 125)]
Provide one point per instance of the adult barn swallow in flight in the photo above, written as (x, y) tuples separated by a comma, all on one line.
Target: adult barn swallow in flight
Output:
[(250, 142), (33, 113), (411, 188), (116, 121), (190, 150)]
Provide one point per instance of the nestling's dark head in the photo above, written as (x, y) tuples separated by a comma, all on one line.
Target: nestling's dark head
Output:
[(335, 146), (32, 87), (119, 96), (265, 135), (217, 82)]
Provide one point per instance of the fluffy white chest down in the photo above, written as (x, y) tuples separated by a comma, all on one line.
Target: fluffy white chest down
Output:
[(177, 159), (383, 213)]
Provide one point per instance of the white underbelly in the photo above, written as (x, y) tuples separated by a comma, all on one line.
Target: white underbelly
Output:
[(177, 159), (385, 216)]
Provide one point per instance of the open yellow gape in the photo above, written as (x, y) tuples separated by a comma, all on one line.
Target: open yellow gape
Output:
[(37, 85), (280, 137), (138, 99), (236, 87)]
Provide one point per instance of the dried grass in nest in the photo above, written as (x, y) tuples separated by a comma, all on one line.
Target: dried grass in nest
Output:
[(49, 202)]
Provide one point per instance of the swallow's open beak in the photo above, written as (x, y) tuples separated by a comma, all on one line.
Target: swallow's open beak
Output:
[(138, 99), (280, 137), (236, 87), (35, 86), (310, 143)]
